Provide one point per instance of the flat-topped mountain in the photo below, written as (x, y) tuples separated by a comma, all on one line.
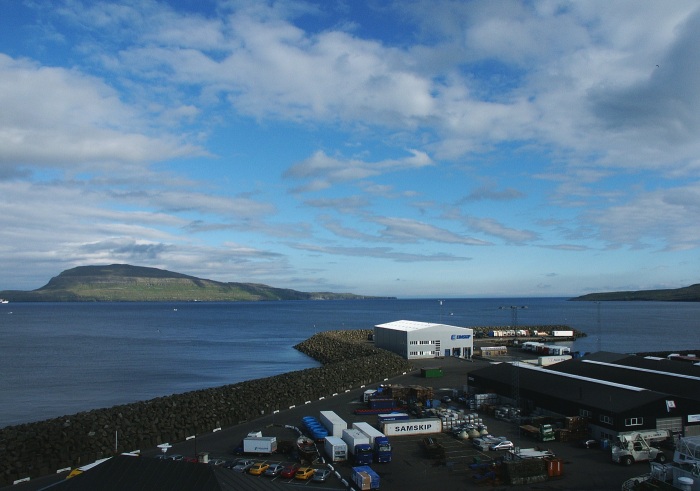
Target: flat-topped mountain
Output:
[(126, 283), (686, 294)]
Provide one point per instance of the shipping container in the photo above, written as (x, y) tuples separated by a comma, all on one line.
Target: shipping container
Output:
[(412, 427), (381, 418), (333, 423), (336, 449), (431, 372), (368, 430), (365, 478), (260, 444)]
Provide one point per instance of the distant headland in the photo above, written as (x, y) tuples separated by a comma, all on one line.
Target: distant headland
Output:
[(686, 294), (127, 283)]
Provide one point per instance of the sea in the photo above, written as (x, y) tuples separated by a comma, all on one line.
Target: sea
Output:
[(59, 359)]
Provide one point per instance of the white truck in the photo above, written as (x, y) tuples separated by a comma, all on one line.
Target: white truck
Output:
[(636, 446), (260, 444), (354, 437), (333, 423)]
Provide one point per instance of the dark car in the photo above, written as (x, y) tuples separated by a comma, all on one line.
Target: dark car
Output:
[(590, 443)]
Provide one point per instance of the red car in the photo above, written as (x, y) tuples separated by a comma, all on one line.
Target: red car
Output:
[(289, 471)]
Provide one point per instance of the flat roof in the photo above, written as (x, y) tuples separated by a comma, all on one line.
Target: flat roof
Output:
[(409, 326)]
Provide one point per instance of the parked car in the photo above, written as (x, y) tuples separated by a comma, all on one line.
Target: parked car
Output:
[(289, 471), (504, 445), (274, 470), (590, 443), (321, 474), (304, 473), (190, 459), (218, 462), (446, 399), (243, 465), (258, 468), (176, 456)]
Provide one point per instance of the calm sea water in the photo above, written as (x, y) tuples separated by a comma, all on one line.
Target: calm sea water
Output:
[(63, 358)]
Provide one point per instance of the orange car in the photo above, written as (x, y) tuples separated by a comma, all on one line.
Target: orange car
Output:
[(304, 473), (258, 468)]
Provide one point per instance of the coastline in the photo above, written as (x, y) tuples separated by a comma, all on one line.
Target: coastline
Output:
[(348, 361), (41, 448)]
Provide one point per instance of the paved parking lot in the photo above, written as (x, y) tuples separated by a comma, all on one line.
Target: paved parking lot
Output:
[(583, 469)]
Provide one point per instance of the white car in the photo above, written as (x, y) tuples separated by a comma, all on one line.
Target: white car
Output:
[(504, 445)]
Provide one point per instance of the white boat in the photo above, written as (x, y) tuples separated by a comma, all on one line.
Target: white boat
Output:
[(2, 300)]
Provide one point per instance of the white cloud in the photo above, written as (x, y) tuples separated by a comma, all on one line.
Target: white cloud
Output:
[(60, 117)]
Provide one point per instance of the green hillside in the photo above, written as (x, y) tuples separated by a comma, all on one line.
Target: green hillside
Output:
[(126, 283), (685, 294)]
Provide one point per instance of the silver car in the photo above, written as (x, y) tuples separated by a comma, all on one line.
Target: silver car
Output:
[(321, 474), (243, 465), (274, 470)]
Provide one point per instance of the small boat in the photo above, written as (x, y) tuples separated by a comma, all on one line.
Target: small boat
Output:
[(2, 300), (307, 448)]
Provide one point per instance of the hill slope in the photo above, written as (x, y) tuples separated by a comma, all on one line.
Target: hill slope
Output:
[(126, 283), (686, 294)]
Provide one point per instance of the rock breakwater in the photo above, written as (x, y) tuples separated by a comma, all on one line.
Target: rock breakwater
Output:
[(37, 449)]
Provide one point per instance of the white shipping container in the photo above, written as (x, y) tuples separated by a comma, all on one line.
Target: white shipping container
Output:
[(336, 449), (412, 427), (370, 431), (333, 423), (260, 444)]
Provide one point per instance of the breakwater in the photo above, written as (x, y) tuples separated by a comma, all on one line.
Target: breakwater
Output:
[(41, 448)]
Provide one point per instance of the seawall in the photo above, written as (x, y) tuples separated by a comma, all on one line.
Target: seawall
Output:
[(41, 448)]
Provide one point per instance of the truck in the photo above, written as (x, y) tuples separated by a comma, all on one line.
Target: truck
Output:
[(547, 433), (636, 446), (260, 444), (412, 427), (543, 432), (333, 423), (336, 448), (365, 478), (358, 446), (379, 442)]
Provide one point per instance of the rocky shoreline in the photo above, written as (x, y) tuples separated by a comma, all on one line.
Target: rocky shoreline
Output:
[(41, 448)]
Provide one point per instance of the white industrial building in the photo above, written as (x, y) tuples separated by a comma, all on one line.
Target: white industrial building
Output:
[(412, 339)]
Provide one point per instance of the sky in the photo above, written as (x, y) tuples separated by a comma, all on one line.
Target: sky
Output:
[(417, 149)]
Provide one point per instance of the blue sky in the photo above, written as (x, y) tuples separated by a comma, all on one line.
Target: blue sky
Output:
[(412, 149)]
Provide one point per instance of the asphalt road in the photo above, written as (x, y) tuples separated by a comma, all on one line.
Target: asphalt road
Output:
[(583, 469)]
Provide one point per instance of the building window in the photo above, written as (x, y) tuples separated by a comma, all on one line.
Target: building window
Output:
[(606, 419), (425, 342), (413, 342), (585, 413), (634, 421)]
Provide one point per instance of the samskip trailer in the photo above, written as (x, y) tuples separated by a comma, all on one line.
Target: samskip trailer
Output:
[(412, 427)]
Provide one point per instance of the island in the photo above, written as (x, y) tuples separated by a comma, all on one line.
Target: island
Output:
[(686, 294), (127, 283)]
